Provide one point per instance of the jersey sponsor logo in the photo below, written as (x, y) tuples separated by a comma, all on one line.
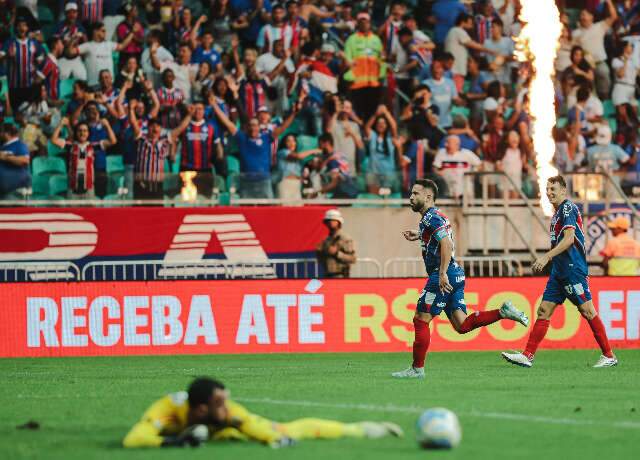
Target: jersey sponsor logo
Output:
[(441, 304), (460, 279)]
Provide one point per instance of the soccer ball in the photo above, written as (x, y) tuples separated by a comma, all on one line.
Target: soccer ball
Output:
[(438, 428)]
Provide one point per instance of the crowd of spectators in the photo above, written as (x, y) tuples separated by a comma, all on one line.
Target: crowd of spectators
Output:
[(301, 99)]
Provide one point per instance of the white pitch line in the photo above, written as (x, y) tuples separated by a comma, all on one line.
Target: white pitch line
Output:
[(418, 410)]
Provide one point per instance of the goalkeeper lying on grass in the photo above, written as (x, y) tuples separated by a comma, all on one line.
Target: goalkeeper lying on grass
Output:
[(206, 412)]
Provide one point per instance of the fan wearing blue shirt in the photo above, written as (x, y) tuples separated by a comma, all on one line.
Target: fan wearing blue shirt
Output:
[(14, 162), (255, 146), (206, 52)]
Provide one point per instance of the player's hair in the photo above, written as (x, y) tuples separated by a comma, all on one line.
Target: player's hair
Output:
[(428, 183), (558, 180), (201, 389)]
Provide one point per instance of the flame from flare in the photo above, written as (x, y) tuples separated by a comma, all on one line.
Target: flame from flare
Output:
[(189, 191), (538, 43)]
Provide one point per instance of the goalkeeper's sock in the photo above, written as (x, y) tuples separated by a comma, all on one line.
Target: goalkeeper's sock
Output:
[(537, 334), (600, 335), (421, 342), (479, 319)]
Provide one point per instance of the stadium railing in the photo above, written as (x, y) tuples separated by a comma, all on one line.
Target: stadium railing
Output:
[(481, 266), (39, 271)]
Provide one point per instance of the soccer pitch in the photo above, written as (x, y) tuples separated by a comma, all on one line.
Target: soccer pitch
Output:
[(559, 409)]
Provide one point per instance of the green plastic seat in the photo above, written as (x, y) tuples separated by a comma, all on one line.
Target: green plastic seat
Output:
[(58, 185), (220, 184), (40, 186), (233, 164), (457, 110), (306, 143), (48, 165), (609, 108), (115, 164), (66, 88), (54, 150), (115, 181)]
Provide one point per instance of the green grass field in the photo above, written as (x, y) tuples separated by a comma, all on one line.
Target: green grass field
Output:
[(559, 409)]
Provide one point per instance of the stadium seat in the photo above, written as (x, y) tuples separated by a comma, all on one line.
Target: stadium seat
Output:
[(115, 164), (66, 88), (58, 185), (220, 184), (54, 150), (115, 181), (613, 124), (233, 164), (40, 187), (306, 142), (609, 108), (48, 165), (233, 181), (457, 110)]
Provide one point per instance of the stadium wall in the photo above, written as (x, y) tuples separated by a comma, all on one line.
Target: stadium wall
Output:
[(265, 316)]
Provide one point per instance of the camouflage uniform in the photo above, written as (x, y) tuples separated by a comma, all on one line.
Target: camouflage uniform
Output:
[(337, 265)]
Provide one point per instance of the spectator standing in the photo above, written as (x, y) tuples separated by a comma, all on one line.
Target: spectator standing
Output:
[(626, 72), (445, 13), (290, 169), (154, 40), (364, 54), (81, 155), (183, 70), (171, 100), (72, 34), (621, 255), (339, 181), (512, 161), (277, 29), (336, 253), (444, 94), (604, 155), (277, 66), (590, 36), (458, 43), (255, 153), (98, 53), (452, 163), (14, 162), (201, 147), (384, 150), (126, 27), (344, 126), (49, 71), (23, 56)]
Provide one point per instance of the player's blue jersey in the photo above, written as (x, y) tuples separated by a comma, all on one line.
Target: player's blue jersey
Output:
[(574, 259), (434, 226)]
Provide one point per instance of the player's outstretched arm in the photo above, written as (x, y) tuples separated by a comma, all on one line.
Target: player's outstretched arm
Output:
[(411, 235), (568, 237)]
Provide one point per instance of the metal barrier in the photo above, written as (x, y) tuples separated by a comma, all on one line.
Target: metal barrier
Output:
[(39, 271), (409, 267), (143, 270)]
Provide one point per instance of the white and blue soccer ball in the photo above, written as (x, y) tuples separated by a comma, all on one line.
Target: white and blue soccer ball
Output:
[(438, 428)]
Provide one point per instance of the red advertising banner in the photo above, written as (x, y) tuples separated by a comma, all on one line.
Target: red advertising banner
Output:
[(264, 316), (171, 234)]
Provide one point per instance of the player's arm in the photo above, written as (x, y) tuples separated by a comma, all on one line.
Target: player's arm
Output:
[(146, 433), (568, 236), (253, 426), (446, 253)]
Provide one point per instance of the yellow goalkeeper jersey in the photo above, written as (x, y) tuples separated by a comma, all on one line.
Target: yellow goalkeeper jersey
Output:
[(168, 416)]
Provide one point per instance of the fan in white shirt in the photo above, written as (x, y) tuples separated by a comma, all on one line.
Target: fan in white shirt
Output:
[(452, 163)]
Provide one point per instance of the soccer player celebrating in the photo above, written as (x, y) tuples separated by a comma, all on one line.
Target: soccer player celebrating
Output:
[(445, 286), (569, 277), (205, 412)]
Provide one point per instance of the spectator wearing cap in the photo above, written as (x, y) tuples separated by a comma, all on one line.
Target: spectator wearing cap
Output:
[(255, 152), (14, 162), (72, 34), (458, 43), (336, 253), (23, 57), (98, 53), (605, 156), (135, 47), (278, 68), (364, 54), (621, 255), (590, 36)]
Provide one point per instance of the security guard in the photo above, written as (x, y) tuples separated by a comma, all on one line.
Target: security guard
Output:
[(336, 253), (622, 252)]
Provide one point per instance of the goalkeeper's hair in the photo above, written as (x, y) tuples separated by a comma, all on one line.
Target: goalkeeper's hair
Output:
[(201, 389), (428, 184)]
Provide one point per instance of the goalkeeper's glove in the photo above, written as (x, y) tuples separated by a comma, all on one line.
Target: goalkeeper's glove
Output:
[(284, 441), (193, 436)]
